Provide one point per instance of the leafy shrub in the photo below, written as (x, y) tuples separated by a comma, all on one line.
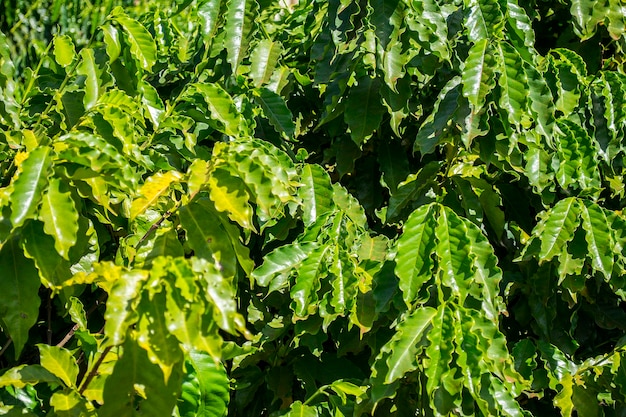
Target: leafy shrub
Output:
[(330, 208)]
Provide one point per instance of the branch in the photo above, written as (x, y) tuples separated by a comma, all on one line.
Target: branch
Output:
[(94, 370), (6, 346)]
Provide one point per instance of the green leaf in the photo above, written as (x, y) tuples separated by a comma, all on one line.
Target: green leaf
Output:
[(154, 335), (414, 263), (364, 109), (40, 247), (478, 74), (24, 375), (401, 352), (541, 101), (316, 193), (88, 68), (60, 217), (229, 194), (124, 297), (60, 362), (28, 188), (142, 45), (221, 106), (276, 111), (557, 228), (209, 12), (394, 163), (19, 294), (205, 390), (484, 20), (137, 386), (240, 18), (281, 262), (439, 120), (513, 83), (64, 53), (69, 403), (263, 61), (438, 362), (598, 237), (112, 41), (307, 283), (205, 235), (298, 409)]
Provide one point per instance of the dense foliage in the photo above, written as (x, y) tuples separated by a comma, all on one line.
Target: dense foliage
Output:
[(334, 208)]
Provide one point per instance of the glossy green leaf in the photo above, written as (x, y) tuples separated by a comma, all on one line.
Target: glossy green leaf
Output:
[(19, 293), (276, 111), (478, 76), (598, 237), (205, 390), (556, 229), (60, 217), (94, 80), (484, 20), (263, 60), (59, 362), (142, 45), (281, 262), (364, 109), (222, 107), (240, 17), (69, 403), (513, 84), (154, 335), (415, 248), (205, 236), (40, 247), (316, 193), (209, 13), (401, 352), (29, 185), (121, 312)]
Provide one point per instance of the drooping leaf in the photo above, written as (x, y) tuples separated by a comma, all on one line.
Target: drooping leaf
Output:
[(205, 390), (316, 193), (142, 45), (415, 248), (240, 18), (276, 111), (137, 386), (29, 185), (263, 61), (19, 293), (364, 109), (60, 217), (401, 352)]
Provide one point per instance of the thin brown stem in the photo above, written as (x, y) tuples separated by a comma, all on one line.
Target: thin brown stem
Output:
[(68, 336), (94, 371), (6, 346)]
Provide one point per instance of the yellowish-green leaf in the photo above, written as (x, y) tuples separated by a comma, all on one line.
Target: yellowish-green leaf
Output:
[(154, 187), (64, 52), (230, 196), (60, 362)]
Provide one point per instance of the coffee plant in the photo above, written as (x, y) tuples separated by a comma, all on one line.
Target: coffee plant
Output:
[(327, 208)]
